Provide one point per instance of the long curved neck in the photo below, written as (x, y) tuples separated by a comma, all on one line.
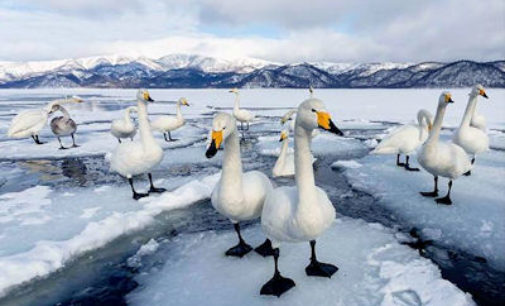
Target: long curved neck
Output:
[(469, 111), (65, 113), (284, 149), (178, 112), (304, 173), (437, 125), (231, 176), (127, 114), (146, 135), (237, 101)]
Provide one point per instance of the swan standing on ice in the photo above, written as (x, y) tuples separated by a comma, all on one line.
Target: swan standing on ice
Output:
[(124, 128), (63, 126), (285, 164), (442, 159), (138, 157), (406, 139), (302, 212), (29, 123), (242, 115), (238, 196), (167, 124), (472, 139)]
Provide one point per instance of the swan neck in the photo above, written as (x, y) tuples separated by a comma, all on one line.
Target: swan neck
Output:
[(146, 135), (304, 172), (178, 112), (237, 102), (65, 113), (469, 111), (437, 125), (231, 176)]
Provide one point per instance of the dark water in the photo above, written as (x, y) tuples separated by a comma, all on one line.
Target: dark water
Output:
[(102, 277)]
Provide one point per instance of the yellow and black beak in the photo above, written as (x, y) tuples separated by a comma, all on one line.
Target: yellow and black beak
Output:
[(147, 97), (448, 99), (483, 93), (283, 136), (325, 123), (217, 139)]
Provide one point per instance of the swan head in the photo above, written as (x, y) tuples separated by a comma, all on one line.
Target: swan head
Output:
[(234, 90), (144, 96), (312, 114), (478, 90), (54, 108), (288, 116), (445, 99), (284, 135), (183, 101), (223, 126), (76, 99)]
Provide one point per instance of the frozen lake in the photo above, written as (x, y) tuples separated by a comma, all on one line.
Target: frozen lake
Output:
[(71, 234)]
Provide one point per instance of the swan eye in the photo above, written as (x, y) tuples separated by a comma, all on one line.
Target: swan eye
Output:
[(314, 111), (224, 127)]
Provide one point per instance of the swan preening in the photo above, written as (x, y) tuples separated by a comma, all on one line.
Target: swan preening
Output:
[(302, 212), (124, 128), (472, 139), (138, 157), (242, 115), (167, 124), (238, 196), (440, 158), (406, 139), (29, 123), (63, 125)]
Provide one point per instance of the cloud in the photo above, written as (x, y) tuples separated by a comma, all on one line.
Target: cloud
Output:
[(316, 30)]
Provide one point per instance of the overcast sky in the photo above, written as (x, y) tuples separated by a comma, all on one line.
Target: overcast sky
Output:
[(276, 30)]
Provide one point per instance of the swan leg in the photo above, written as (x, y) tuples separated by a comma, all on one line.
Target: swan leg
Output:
[(433, 193), (398, 161), (37, 140), (407, 165), (278, 284), (165, 136), (265, 249), (61, 145), (136, 195), (447, 199), (152, 188), (170, 137), (469, 172), (316, 268), (74, 145), (119, 139), (241, 248)]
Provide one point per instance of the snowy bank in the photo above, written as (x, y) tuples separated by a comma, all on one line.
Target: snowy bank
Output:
[(46, 256), (475, 222), (374, 270)]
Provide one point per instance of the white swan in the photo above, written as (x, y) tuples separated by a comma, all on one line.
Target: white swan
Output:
[(124, 128), (242, 115), (472, 139), (406, 139), (478, 121), (285, 164), (440, 158), (138, 157), (302, 212), (238, 196), (167, 124), (63, 126), (29, 123)]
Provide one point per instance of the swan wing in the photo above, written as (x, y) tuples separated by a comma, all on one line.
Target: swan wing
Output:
[(472, 140), (404, 139), (478, 121), (26, 121), (256, 186)]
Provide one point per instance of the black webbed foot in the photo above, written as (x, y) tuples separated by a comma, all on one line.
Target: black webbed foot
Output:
[(239, 250), (277, 285), (316, 268), (137, 196), (444, 201), (265, 249), (430, 194)]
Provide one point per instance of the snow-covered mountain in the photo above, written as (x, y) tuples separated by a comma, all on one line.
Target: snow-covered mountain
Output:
[(195, 71)]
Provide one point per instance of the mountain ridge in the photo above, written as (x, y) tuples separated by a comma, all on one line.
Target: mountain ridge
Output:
[(195, 71)]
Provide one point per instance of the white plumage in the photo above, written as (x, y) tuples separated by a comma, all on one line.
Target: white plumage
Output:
[(168, 124), (29, 123), (242, 115), (138, 157), (302, 212), (285, 164), (238, 196), (442, 159), (472, 139), (124, 128)]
